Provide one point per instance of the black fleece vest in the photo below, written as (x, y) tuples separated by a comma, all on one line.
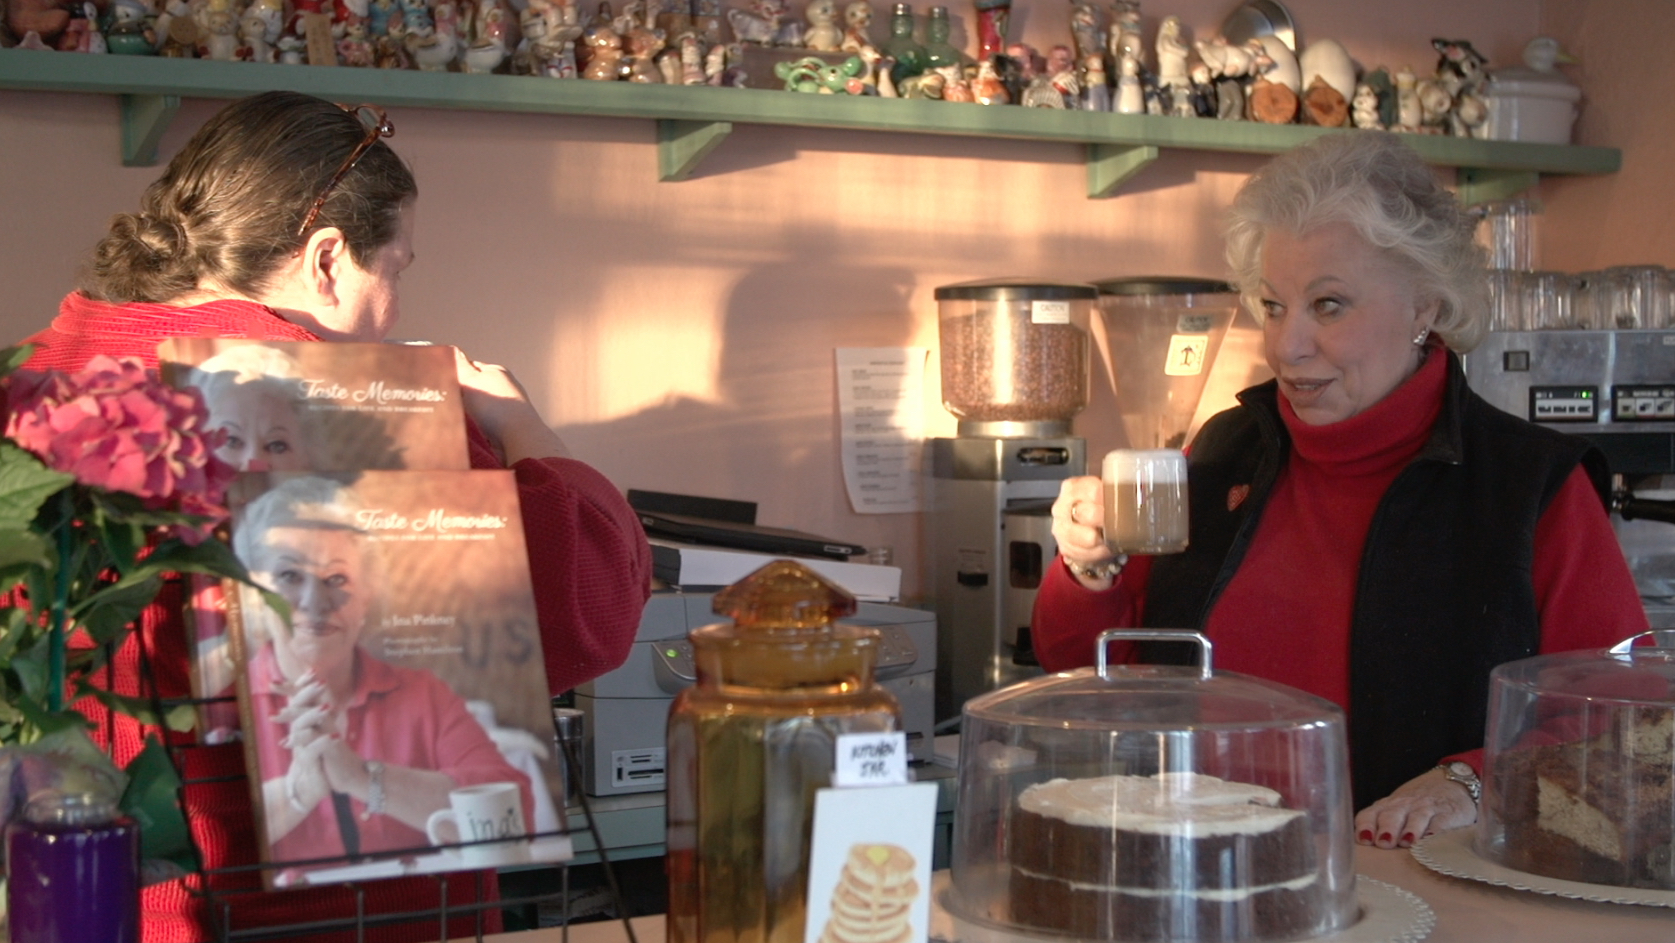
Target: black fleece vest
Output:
[(1445, 590)]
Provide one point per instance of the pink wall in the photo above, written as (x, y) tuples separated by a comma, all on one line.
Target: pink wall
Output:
[(680, 335), (1625, 218)]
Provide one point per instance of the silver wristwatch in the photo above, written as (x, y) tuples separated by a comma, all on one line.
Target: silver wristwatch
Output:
[(1462, 773)]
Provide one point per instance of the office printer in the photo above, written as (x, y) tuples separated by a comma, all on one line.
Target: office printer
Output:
[(627, 710)]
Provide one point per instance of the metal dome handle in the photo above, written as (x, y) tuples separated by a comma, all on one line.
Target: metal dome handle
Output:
[(1152, 635), (1661, 639)]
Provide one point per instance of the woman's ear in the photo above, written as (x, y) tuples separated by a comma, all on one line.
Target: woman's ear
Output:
[(323, 259)]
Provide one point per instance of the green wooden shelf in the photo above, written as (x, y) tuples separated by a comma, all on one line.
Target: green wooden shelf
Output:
[(693, 121)]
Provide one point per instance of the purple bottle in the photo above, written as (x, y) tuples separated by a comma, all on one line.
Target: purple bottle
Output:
[(74, 865)]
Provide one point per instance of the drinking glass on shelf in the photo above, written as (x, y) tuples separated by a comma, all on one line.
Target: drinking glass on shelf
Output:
[(1549, 302)]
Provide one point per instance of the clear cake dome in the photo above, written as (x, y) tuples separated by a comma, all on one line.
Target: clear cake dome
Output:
[(1578, 764), (1151, 802)]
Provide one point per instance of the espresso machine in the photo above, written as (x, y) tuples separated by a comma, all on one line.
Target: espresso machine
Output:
[(1615, 388), (1016, 368)]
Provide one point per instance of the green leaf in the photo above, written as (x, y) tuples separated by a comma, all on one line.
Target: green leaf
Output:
[(122, 541), (107, 613), (25, 484), (14, 631), (180, 717), (31, 667), (152, 800), (20, 547), (46, 722), (13, 357)]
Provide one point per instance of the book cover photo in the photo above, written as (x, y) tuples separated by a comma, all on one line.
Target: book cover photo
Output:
[(400, 722), (302, 406)]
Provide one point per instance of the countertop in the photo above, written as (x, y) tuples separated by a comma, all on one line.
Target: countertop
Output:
[(1467, 912)]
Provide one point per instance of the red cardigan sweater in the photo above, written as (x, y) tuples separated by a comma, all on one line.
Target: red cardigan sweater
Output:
[(592, 575), (1297, 582)]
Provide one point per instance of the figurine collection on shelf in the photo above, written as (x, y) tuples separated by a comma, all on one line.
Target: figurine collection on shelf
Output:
[(1106, 65)]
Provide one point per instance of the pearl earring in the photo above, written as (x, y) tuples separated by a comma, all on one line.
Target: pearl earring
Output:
[(1419, 339)]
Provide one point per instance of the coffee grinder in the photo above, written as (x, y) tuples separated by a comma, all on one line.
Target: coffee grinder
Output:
[(1015, 362)]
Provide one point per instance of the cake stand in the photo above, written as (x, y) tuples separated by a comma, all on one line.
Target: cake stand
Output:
[(1389, 914), (1451, 853)]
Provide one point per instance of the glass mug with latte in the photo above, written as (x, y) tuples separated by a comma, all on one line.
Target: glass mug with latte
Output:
[(1145, 500)]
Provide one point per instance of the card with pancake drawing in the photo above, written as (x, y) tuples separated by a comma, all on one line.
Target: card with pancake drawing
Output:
[(399, 719), (869, 872), (300, 406)]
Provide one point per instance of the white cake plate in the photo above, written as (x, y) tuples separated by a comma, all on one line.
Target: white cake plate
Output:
[(1451, 853), (1388, 915)]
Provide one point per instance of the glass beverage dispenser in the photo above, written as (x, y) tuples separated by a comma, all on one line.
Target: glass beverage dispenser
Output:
[(1016, 357), (752, 742)]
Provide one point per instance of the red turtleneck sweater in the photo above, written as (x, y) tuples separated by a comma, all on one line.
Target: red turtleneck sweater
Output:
[(1285, 615)]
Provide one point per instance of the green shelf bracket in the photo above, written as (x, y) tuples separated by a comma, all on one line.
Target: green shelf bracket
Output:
[(144, 119), (1477, 185), (1110, 166), (682, 145)]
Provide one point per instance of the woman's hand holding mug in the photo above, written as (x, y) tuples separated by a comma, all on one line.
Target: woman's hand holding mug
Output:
[(1079, 532)]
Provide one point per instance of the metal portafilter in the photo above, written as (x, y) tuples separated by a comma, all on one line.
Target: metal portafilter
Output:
[(1631, 508)]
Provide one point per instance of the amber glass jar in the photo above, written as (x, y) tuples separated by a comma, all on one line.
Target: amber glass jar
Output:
[(752, 742)]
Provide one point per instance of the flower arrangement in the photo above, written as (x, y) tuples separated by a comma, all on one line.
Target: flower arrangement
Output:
[(108, 481)]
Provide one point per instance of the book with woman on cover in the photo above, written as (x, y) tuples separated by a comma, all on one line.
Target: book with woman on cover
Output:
[(299, 406), (399, 722)]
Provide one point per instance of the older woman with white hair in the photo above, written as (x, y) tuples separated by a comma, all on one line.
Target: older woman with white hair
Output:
[(1364, 527)]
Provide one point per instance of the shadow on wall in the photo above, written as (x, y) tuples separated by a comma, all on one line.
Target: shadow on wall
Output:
[(772, 435)]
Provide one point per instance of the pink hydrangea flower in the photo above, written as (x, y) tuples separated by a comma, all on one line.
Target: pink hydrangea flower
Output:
[(115, 425)]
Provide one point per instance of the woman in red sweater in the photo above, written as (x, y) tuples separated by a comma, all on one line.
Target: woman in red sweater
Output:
[(286, 217), (1364, 527)]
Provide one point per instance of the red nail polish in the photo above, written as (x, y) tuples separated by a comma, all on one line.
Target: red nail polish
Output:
[(1407, 837), (1366, 835), (1383, 836)]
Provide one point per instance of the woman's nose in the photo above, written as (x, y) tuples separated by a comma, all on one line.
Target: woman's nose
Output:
[(1291, 338), (317, 597)]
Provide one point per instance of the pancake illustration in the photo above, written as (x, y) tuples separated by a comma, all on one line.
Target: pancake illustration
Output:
[(873, 900)]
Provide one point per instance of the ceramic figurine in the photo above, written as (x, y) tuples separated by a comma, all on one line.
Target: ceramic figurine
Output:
[(445, 19), (1223, 59), (1272, 102), (1131, 96), (272, 13), (415, 14), (1125, 32), (1040, 93), (355, 48), (1328, 59), (1543, 54), (47, 19), (1061, 74), (907, 55), (1409, 113), (691, 60), (1084, 31), (378, 14), (988, 88), (604, 54), (955, 87), (181, 39), (432, 51), (1203, 91), (1096, 86), (1028, 60), (173, 10), (1384, 87), (763, 24), (715, 64), (345, 12), (857, 26), (669, 67), (823, 33), (640, 46), (130, 34), (1278, 64), (220, 37), (291, 48), (1364, 108), (1171, 54), (994, 20), (1460, 70), (939, 53), (1322, 104), (79, 32)]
